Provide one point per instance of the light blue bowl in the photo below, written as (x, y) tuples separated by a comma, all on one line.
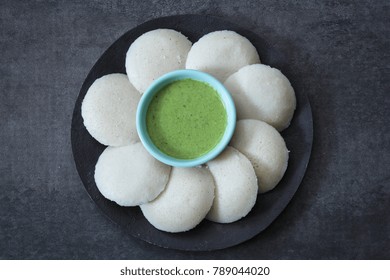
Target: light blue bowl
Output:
[(155, 87)]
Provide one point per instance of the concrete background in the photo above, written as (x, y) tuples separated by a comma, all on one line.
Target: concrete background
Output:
[(341, 52)]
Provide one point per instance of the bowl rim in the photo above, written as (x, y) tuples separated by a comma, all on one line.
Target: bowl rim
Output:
[(171, 77)]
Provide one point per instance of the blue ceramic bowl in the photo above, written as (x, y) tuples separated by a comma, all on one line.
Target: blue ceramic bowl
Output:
[(155, 87)]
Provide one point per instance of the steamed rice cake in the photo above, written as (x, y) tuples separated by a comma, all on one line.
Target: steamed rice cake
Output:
[(221, 53), (155, 53), (109, 109), (266, 150), (263, 93), (235, 186), (129, 175), (185, 201)]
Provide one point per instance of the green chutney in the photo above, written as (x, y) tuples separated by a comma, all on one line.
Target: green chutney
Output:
[(186, 119)]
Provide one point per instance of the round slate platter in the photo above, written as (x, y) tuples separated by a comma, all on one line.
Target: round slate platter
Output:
[(207, 235)]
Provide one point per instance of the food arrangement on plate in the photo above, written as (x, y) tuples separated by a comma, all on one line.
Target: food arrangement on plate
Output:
[(208, 234), (223, 189)]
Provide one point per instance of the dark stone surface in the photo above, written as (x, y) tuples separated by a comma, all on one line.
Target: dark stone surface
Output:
[(341, 210)]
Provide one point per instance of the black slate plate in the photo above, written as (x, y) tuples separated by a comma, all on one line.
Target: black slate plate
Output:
[(207, 235)]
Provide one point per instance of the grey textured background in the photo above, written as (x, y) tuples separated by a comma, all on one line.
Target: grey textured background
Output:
[(341, 48)]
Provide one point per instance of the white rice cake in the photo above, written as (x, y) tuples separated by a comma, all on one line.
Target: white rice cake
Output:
[(235, 186), (155, 53), (185, 201), (265, 148), (262, 93), (129, 175), (109, 110), (221, 53)]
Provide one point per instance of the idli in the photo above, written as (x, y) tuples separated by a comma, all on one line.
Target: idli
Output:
[(155, 53), (109, 109), (235, 186), (185, 201), (265, 148), (129, 175), (263, 93), (221, 53)]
